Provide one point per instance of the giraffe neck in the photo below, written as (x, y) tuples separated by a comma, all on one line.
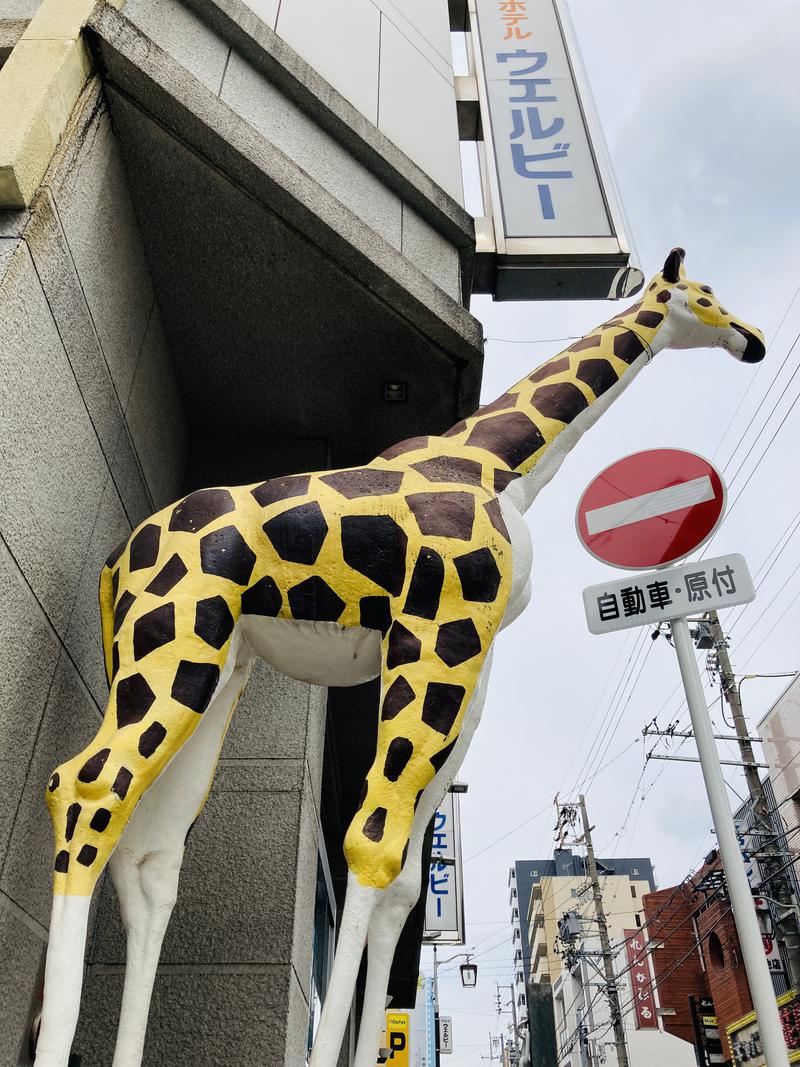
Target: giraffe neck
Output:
[(529, 430)]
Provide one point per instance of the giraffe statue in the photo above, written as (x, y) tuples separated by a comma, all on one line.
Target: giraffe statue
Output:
[(404, 569)]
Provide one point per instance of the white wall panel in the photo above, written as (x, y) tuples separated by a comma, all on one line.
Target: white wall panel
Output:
[(420, 29), (340, 39), (418, 110), (267, 10), (429, 17)]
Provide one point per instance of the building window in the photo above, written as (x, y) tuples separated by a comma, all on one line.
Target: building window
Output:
[(515, 913), (638, 919), (323, 947), (521, 1000), (634, 870), (633, 890), (716, 952)]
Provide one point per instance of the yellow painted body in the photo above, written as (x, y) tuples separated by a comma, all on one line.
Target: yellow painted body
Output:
[(158, 667)]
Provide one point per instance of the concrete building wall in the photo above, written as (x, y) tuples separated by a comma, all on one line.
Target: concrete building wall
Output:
[(93, 440), (244, 84), (391, 59)]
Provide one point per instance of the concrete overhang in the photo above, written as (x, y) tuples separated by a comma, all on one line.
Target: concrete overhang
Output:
[(284, 312)]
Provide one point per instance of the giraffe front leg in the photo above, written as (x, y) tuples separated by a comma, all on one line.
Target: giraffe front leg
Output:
[(398, 901), (91, 800), (146, 864), (63, 979)]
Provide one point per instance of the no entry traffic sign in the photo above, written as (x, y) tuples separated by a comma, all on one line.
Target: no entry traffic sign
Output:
[(651, 508)]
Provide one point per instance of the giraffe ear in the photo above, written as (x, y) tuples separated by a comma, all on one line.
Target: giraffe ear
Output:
[(673, 267)]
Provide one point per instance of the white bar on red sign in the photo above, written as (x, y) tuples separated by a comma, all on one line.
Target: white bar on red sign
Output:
[(650, 505), (668, 593)]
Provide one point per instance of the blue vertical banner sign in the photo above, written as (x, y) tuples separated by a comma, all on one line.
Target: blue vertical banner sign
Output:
[(548, 177), (444, 912)]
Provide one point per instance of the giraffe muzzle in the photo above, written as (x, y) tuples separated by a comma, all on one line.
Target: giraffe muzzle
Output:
[(754, 349)]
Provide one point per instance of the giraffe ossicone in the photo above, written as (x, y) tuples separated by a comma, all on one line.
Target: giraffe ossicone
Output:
[(406, 569)]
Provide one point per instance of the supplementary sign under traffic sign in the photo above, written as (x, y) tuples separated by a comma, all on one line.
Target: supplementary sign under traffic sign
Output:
[(705, 585), (651, 508)]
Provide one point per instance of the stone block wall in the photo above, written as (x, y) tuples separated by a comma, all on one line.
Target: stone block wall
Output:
[(92, 440)]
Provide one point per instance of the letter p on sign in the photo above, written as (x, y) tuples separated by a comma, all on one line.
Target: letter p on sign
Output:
[(397, 1038)]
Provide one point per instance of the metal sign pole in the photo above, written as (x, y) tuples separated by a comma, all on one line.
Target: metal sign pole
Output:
[(744, 914)]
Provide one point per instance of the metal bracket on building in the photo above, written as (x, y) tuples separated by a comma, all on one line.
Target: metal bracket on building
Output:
[(468, 108)]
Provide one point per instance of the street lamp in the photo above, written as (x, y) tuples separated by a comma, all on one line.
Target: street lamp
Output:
[(469, 974), (469, 979)]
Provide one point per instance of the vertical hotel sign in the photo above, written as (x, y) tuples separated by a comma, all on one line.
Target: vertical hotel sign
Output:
[(548, 180), (641, 982), (444, 909)]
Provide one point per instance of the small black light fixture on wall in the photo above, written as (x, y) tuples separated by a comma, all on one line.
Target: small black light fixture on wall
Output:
[(394, 391)]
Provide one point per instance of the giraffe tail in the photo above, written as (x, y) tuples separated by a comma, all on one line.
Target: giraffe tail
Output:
[(106, 595)]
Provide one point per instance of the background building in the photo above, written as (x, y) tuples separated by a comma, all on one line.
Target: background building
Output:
[(584, 1029), (780, 729), (546, 889), (697, 961), (244, 258)]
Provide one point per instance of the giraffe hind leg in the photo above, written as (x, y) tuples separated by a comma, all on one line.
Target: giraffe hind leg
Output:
[(398, 901), (421, 712)]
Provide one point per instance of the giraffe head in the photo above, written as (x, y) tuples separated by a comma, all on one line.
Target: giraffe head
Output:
[(696, 318)]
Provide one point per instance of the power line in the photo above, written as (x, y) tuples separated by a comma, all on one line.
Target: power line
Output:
[(536, 815), (527, 341), (758, 409), (622, 710), (620, 688)]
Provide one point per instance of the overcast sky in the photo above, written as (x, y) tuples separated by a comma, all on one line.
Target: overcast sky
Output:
[(700, 109)]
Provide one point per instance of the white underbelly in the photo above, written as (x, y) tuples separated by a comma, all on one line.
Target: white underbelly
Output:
[(323, 653), (521, 559)]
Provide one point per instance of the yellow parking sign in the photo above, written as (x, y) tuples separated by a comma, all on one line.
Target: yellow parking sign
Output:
[(397, 1038)]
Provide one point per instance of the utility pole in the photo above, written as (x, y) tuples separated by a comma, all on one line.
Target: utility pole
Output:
[(730, 690), (602, 925), (771, 860), (513, 1005)]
